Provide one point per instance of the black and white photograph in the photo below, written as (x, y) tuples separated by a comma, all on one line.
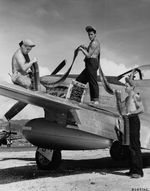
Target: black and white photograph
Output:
[(74, 95)]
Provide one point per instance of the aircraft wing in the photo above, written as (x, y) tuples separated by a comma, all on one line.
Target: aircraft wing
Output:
[(37, 98)]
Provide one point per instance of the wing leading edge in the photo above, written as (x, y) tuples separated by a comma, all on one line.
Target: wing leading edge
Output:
[(37, 98)]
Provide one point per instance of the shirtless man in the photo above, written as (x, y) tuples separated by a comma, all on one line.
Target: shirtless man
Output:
[(21, 64), (20, 75), (133, 106), (92, 58)]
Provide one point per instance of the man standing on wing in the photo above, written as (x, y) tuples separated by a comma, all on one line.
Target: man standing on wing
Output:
[(92, 59)]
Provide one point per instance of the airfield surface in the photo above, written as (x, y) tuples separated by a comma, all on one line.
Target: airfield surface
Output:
[(79, 171)]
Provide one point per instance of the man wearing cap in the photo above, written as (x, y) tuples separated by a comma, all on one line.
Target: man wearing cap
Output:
[(21, 64), (92, 58), (132, 106)]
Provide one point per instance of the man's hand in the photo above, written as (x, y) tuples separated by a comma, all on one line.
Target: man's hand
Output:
[(83, 46), (80, 48), (128, 114), (117, 94), (76, 51), (34, 60)]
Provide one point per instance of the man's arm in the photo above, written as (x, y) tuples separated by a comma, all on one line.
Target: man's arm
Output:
[(119, 102), (93, 48), (139, 104), (84, 47), (22, 64)]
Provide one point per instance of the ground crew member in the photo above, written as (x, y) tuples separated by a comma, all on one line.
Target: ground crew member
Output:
[(21, 64), (92, 59), (133, 106)]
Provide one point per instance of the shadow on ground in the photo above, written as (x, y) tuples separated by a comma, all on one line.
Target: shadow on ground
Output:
[(68, 167)]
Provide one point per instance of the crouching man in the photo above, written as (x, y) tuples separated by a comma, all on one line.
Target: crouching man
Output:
[(21, 64)]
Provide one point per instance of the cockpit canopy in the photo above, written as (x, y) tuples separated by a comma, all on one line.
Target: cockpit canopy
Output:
[(140, 73)]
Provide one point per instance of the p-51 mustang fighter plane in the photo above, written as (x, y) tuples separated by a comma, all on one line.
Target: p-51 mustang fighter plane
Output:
[(71, 122)]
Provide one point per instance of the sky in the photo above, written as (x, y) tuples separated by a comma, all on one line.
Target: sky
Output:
[(58, 27)]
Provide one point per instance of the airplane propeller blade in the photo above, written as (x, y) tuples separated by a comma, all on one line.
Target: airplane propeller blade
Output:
[(59, 67), (44, 80), (16, 108)]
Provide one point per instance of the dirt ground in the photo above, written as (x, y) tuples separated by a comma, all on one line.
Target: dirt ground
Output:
[(79, 171)]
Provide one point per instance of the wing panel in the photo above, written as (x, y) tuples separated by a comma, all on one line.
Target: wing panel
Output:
[(37, 98)]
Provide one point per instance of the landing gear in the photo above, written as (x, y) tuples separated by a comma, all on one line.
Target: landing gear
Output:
[(48, 159), (119, 152)]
